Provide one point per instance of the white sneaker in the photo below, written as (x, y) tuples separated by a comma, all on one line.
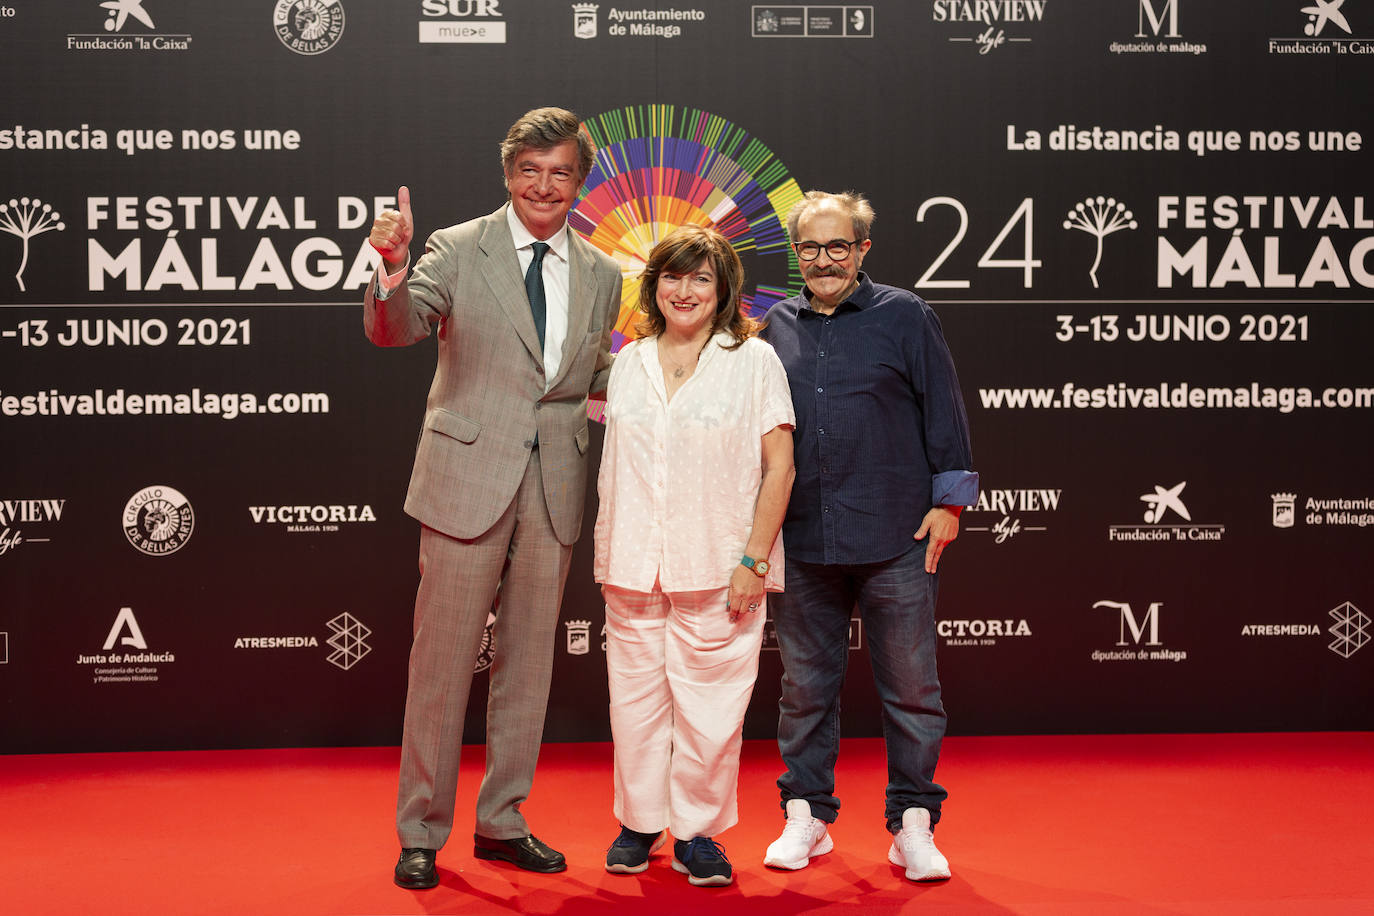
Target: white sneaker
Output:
[(803, 837), (914, 848)]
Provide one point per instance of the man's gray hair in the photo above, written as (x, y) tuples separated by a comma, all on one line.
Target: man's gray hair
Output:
[(854, 204), (545, 128)]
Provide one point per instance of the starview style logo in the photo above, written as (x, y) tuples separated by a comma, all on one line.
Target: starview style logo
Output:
[(118, 15), (15, 513), (1012, 505), (986, 20)]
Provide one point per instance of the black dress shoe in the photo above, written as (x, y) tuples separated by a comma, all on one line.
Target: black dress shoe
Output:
[(525, 851), (415, 869)]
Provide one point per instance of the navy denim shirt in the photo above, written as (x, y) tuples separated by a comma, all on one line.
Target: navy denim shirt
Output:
[(881, 433)]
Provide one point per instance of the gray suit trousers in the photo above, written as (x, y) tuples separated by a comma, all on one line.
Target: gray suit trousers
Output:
[(458, 584)]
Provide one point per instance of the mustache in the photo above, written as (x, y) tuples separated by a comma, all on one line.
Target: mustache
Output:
[(828, 270)]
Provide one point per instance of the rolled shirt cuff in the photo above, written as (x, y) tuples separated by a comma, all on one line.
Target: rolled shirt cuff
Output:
[(954, 488)]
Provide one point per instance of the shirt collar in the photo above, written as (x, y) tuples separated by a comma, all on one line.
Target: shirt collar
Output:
[(860, 298), (558, 242)]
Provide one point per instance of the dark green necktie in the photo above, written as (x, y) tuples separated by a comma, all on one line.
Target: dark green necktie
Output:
[(534, 288)]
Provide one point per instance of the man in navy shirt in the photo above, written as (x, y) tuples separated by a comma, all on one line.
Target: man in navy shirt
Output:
[(883, 471)]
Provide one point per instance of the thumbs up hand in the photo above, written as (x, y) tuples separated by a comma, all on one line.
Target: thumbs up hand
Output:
[(392, 230)]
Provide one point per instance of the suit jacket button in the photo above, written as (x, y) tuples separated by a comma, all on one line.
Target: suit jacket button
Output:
[(539, 369), (529, 443)]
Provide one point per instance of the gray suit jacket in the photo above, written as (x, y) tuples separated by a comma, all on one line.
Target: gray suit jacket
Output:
[(488, 400)]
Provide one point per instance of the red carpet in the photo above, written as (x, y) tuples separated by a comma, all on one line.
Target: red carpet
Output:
[(1206, 824)]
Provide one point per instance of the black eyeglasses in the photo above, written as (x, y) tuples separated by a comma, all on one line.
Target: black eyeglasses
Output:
[(837, 249)]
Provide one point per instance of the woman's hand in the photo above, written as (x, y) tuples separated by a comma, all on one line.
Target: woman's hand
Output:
[(746, 593)]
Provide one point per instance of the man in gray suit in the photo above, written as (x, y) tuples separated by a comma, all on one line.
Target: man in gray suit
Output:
[(525, 309)]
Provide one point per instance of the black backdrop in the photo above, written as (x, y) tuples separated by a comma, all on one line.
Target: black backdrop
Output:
[(1144, 225)]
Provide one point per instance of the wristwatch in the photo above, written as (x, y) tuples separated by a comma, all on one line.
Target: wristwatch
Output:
[(760, 567)]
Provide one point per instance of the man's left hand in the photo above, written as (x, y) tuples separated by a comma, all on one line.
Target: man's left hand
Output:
[(942, 525)]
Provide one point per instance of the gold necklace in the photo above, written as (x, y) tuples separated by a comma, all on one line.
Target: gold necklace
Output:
[(677, 373)]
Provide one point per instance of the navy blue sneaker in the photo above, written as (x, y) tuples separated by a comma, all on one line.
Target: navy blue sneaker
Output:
[(703, 862), (629, 854)]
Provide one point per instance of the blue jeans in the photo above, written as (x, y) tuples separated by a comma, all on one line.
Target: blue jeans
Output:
[(896, 602)]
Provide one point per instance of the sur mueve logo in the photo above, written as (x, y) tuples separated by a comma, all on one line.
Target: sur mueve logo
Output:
[(461, 22)]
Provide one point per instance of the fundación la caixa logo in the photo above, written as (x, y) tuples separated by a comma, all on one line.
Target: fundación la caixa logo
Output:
[(1164, 508), (119, 14), (1325, 30)]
